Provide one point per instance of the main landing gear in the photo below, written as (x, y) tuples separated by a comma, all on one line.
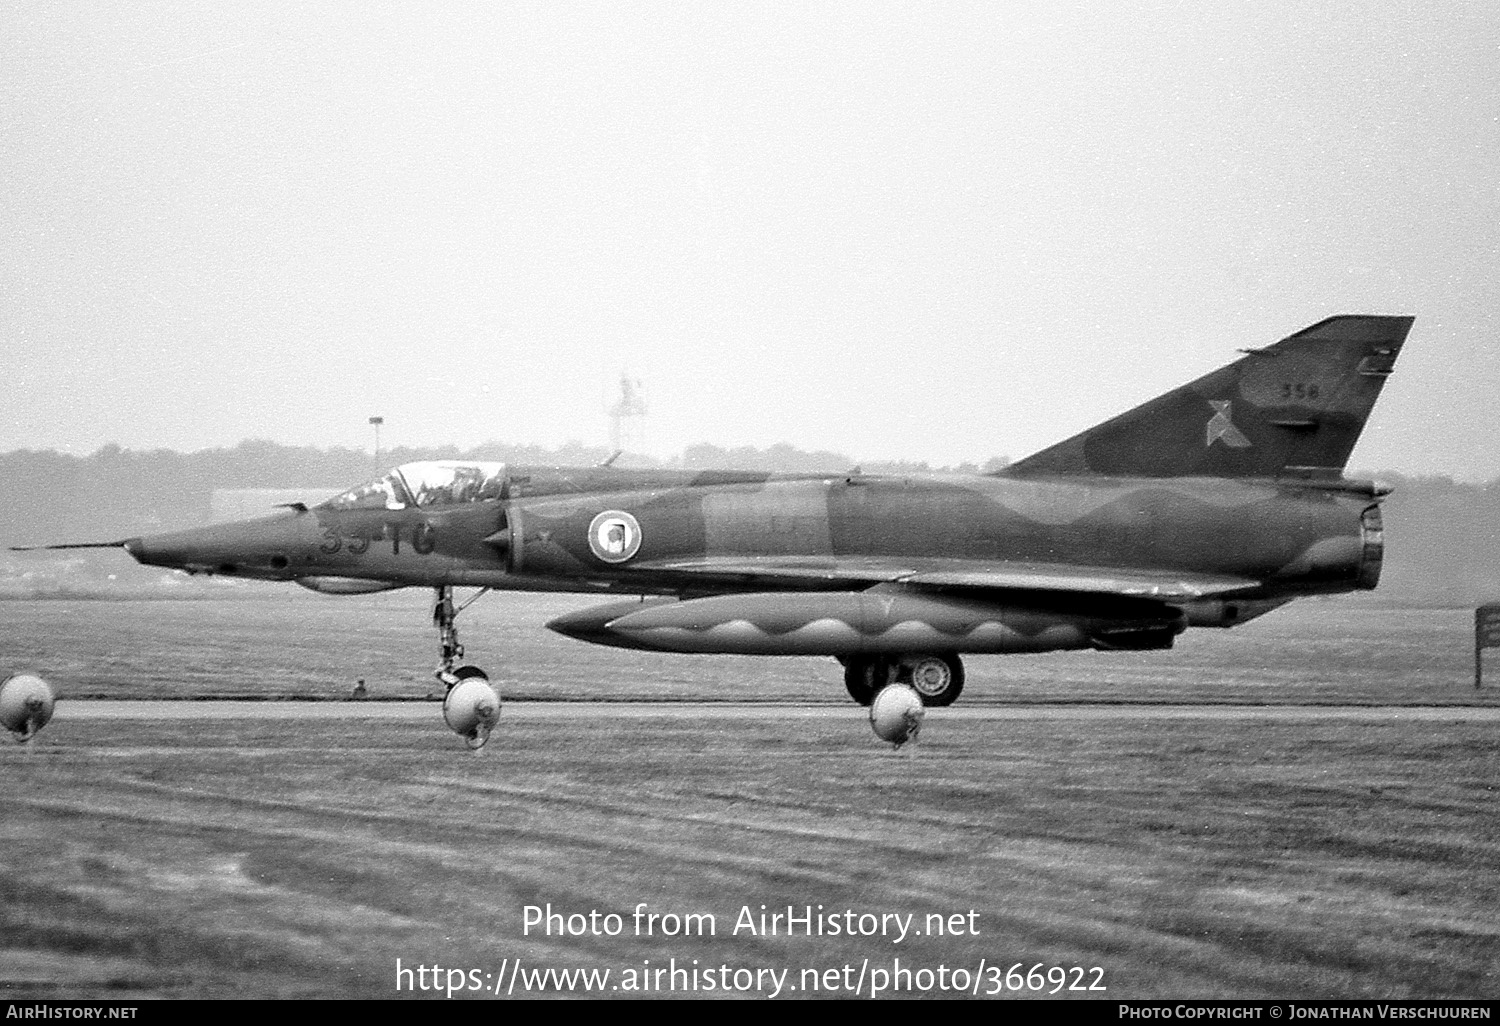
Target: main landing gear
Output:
[(471, 706), (938, 679)]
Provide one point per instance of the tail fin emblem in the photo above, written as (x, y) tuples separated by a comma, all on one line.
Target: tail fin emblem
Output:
[(1221, 428)]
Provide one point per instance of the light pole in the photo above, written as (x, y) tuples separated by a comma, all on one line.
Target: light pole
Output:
[(375, 422)]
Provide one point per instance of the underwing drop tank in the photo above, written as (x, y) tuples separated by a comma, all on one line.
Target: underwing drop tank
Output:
[(874, 621)]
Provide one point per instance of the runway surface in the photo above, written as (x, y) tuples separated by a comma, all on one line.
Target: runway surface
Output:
[(282, 848), (91, 709)]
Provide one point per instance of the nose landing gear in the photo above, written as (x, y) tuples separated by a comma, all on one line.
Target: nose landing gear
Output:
[(471, 706)]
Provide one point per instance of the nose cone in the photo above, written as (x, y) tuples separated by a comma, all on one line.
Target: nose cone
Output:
[(249, 548)]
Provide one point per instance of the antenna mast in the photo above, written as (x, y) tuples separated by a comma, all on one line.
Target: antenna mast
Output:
[(627, 418)]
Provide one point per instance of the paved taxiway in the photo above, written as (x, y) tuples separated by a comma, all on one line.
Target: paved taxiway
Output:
[(93, 709)]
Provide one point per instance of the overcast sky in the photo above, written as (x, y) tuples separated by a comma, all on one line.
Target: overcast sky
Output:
[(927, 231)]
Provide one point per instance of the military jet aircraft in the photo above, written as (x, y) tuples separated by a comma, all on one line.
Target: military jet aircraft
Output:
[(1205, 507)]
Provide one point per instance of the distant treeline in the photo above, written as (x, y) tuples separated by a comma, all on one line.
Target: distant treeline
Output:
[(1442, 537), (119, 492)]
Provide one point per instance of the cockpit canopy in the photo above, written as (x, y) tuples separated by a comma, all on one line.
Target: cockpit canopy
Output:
[(426, 483)]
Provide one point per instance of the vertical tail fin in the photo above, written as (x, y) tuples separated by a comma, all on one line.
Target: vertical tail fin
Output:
[(1295, 408)]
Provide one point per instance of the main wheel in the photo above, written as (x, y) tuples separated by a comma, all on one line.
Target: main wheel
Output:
[(939, 679), (863, 676)]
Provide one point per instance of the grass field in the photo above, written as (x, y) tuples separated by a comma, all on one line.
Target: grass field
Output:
[(1186, 858), (1328, 855), (296, 644)]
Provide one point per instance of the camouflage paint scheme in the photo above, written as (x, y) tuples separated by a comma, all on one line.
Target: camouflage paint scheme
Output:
[(1206, 506)]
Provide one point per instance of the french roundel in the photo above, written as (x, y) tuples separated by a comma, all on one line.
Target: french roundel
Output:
[(614, 536)]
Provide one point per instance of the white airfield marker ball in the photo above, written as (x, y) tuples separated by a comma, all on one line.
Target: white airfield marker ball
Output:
[(896, 714), (25, 705), (471, 709)]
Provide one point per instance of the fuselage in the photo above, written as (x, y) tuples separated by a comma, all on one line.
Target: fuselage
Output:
[(542, 531)]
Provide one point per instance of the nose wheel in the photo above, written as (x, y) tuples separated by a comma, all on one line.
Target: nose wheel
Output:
[(471, 706)]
